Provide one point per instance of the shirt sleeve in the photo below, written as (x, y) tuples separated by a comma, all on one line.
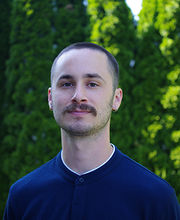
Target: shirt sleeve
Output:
[(171, 208), (8, 212), (176, 208)]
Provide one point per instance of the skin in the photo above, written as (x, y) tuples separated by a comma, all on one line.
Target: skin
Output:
[(82, 99)]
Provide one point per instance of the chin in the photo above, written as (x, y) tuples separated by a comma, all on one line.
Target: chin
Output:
[(78, 130)]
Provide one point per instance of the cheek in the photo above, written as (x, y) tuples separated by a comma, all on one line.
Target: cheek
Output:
[(60, 99), (104, 97)]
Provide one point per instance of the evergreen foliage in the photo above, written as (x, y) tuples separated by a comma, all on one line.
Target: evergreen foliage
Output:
[(27, 81), (5, 8), (112, 26), (157, 89), (69, 23)]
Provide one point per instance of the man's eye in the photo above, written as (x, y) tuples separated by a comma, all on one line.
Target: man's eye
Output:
[(67, 84), (92, 84)]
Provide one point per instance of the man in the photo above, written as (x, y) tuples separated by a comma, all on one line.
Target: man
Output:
[(90, 178)]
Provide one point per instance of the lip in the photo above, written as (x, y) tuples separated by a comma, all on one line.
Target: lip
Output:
[(79, 113)]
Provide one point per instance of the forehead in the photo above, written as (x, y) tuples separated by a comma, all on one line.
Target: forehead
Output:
[(82, 61)]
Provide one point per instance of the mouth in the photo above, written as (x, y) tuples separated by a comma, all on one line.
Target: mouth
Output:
[(78, 112)]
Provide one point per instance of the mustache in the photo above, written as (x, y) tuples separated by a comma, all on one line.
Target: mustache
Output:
[(74, 106)]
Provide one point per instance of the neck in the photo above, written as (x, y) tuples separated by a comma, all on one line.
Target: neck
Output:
[(82, 154)]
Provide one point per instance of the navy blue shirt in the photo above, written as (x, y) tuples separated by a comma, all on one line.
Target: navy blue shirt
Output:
[(121, 189)]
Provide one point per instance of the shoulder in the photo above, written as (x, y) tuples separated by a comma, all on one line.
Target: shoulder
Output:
[(153, 193), (143, 180), (29, 189), (35, 179)]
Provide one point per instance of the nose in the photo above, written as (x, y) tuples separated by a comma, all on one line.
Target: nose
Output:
[(79, 95)]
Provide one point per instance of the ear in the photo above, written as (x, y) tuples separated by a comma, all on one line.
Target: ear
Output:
[(118, 95), (50, 99)]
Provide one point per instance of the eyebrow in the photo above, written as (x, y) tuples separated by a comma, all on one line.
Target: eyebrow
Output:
[(66, 76), (93, 75), (87, 75)]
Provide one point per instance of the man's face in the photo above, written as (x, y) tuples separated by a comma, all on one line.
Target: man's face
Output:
[(82, 94)]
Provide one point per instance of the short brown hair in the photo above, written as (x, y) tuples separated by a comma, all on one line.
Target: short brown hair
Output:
[(81, 45)]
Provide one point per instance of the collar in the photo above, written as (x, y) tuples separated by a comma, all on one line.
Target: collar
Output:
[(69, 176), (89, 171)]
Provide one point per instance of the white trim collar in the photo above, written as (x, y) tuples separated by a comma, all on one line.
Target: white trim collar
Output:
[(89, 171)]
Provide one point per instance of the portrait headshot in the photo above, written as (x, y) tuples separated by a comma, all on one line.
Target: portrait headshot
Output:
[(90, 178)]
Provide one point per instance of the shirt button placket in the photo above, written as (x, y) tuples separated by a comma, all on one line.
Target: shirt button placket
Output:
[(78, 199), (81, 180)]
